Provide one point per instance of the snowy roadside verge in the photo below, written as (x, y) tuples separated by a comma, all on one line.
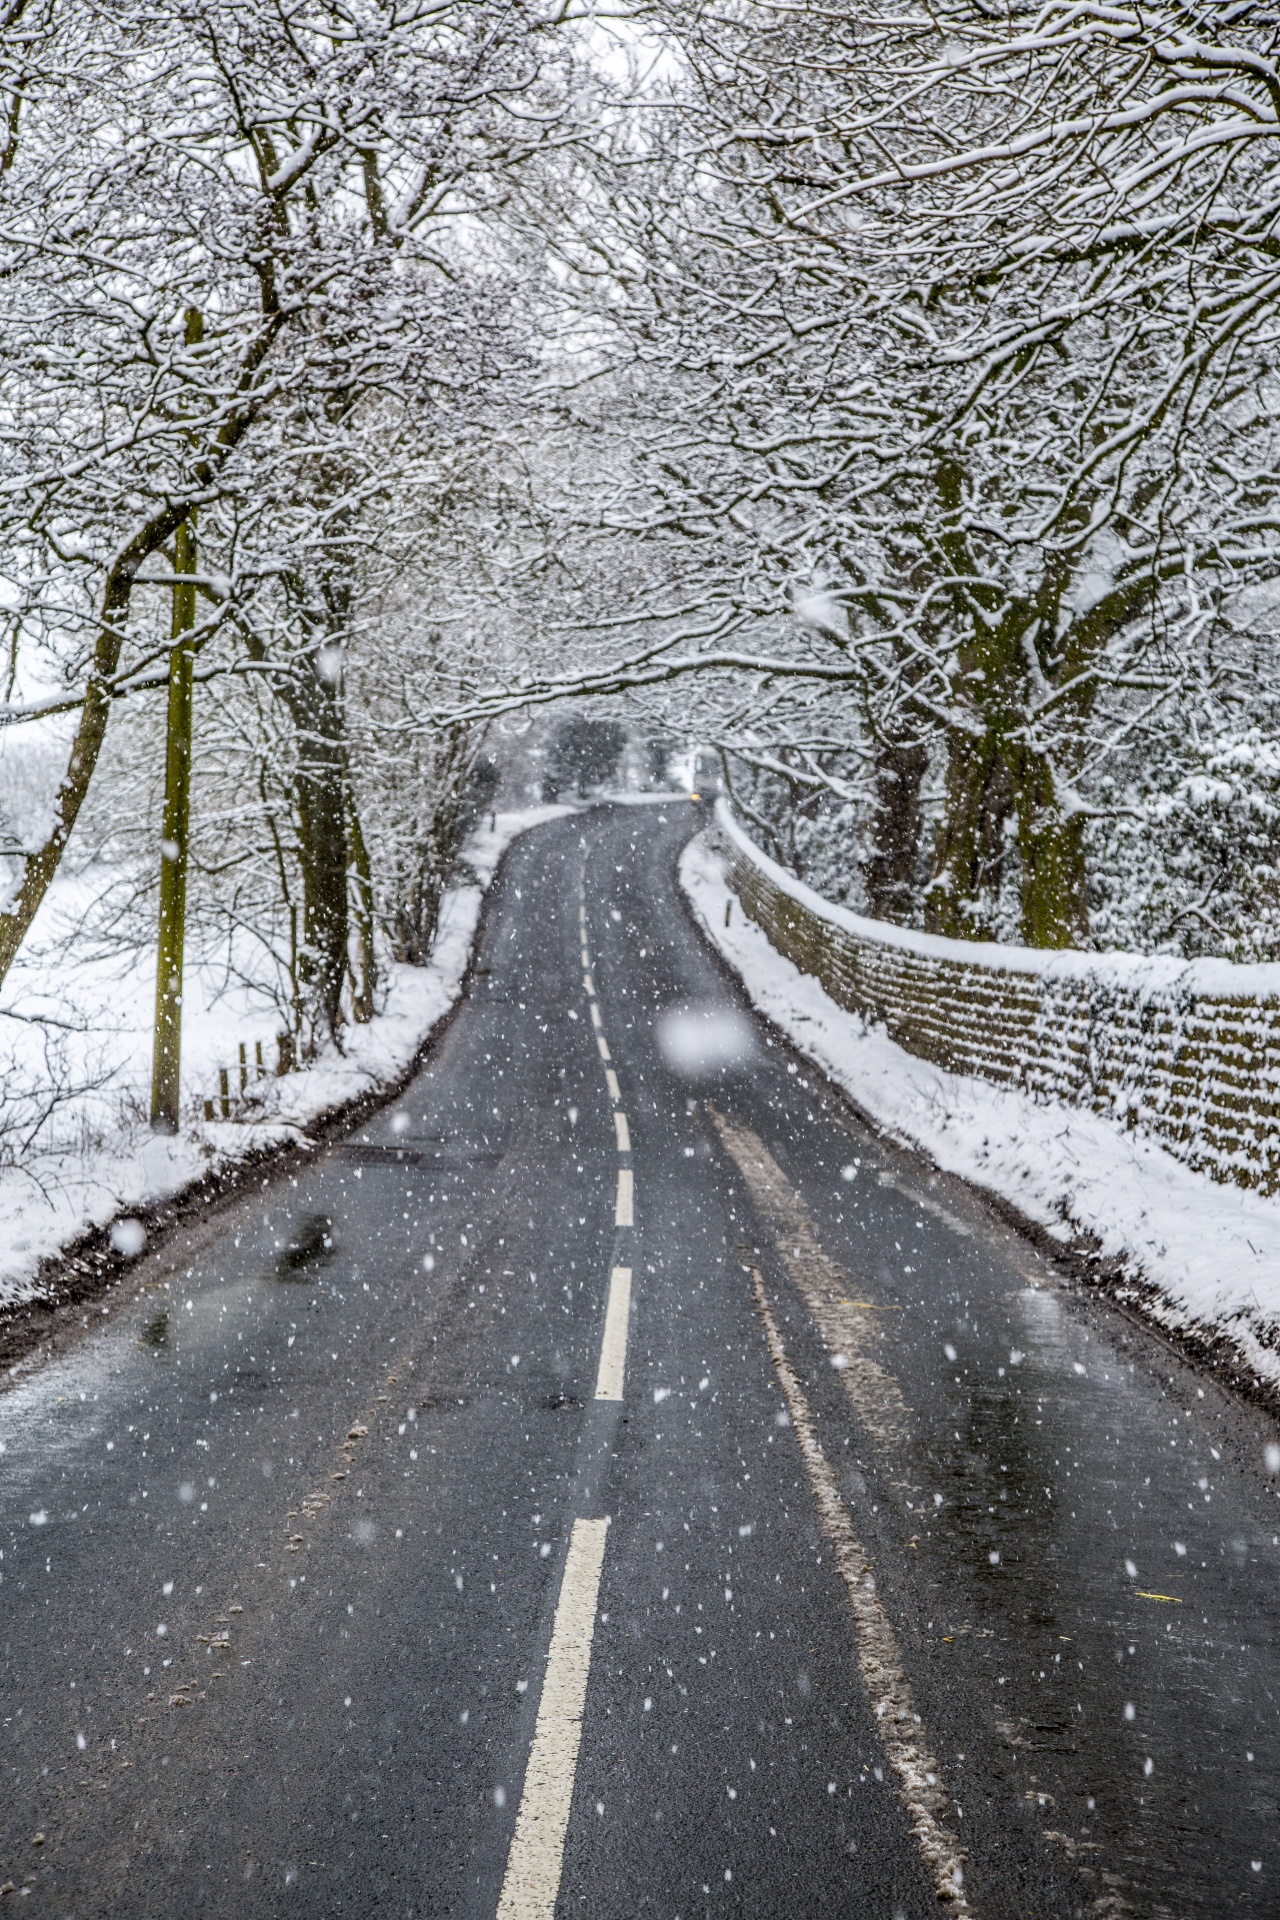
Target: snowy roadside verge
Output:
[(64, 1204), (1201, 1258)]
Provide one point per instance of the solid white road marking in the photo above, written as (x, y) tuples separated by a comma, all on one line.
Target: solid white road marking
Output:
[(531, 1884), (611, 1081), (847, 1327), (603, 1045), (879, 1656), (622, 1212), (623, 1132), (613, 1345)]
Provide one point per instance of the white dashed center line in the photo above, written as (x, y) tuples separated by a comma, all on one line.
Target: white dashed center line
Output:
[(613, 1348), (531, 1884)]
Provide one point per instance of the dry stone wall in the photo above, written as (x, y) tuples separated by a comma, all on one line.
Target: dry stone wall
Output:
[(1188, 1052)]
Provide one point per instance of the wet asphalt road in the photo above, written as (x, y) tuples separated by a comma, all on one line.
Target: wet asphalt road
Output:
[(284, 1536)]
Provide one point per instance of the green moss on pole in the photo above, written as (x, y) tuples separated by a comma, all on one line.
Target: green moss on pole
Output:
[(167, 1059), (166, 1068)]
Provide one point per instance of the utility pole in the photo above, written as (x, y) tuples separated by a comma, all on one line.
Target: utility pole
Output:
[(166, 1063)]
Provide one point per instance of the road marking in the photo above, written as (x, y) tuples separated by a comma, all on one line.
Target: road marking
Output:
[(887, 1178), (613, 1345), (879, 1657), (613, 1350), (531, 1884), (847, 1326)]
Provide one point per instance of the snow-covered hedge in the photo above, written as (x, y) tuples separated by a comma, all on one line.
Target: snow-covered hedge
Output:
[(1186, 1051)]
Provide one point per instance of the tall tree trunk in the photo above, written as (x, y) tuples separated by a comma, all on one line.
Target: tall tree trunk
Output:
[(1055, 906), (320, 801), (969, 855), (365, 978), (323, 811), (167, 1055), (895, 830), (40, 865)]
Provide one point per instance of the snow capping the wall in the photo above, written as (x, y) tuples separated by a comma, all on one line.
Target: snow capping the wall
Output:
[(51, 1201), (1199, 1254), (1186, 1052)]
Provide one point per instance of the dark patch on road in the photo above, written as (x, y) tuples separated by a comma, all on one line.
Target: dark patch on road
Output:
[(309, 1245)]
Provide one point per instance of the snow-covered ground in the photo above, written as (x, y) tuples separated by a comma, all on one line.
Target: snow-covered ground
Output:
[(96, 1158), (1209, 1254)]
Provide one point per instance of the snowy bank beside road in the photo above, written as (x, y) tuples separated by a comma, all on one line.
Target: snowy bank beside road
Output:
[(1208, 1253), (71, 1186)]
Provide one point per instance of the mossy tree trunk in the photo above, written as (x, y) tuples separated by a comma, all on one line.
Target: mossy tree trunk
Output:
[(41, 863), (320, 797), (890, 877), (333, 860), (365, 969), (970, 848), (1055, 902), (1024, 687)]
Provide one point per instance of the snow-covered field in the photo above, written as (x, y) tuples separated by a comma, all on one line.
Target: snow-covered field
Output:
[(1209, 1254), (96, 1158)]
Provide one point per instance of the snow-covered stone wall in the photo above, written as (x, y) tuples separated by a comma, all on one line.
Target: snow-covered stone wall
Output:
[(1185, 1051)]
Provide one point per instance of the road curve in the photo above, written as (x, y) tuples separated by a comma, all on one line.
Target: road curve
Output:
[(615, 1482)]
